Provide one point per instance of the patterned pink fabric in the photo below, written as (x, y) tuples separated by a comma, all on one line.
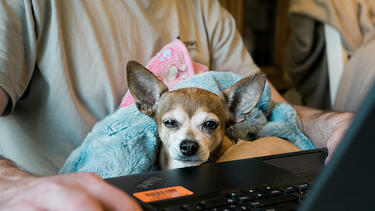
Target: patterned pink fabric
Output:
[(171, 65)]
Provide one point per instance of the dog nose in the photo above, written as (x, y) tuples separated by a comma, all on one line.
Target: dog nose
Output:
[(188, 148)]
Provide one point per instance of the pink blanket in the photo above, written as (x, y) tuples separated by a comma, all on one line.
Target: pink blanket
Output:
[(171, 65)]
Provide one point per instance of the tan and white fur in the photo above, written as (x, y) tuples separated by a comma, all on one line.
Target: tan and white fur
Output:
[(191, 121)]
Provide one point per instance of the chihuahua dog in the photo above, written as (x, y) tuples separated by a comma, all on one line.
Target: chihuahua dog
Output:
[(191, 121)]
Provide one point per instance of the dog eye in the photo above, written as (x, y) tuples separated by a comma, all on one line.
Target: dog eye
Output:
[(210, 125), (170, 123)]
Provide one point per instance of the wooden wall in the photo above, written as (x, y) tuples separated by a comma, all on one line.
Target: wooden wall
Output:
[(276, 72), (235, 7)]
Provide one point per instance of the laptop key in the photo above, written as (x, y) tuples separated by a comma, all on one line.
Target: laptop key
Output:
[(239, 207), (216, 202), (256, 193), (290, 206), (272, 201), (173, 208), (191, 206), (245, 198), (237, 194), (304, 186), (300, 195), (289, 189), (241, 196), (275, 192), (221, 209), (243, 207), (271, 191)]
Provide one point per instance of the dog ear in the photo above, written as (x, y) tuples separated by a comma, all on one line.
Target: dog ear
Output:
[(242, 96), (145, 87)]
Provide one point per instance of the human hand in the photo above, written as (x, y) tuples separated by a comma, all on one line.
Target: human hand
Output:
[(325, 129), (79, 191), (339, 125)]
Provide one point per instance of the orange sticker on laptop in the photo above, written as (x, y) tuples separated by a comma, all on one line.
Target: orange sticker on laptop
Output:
[(162, 193)]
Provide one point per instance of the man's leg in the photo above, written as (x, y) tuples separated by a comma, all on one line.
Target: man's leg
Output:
[(260, 147)]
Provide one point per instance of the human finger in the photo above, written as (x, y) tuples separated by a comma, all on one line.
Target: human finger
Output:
[(22, 206), (338, 133), (110, 197), (55, 193)]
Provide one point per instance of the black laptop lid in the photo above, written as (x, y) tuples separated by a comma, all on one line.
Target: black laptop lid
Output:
[(348, 180)]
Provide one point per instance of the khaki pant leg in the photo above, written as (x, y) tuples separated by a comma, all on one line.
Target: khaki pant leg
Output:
[(260, 147)]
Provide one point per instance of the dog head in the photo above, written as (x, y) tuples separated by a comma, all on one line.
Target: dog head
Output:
[(191, 121)]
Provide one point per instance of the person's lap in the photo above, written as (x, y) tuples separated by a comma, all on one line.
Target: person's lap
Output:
[(260, 147)]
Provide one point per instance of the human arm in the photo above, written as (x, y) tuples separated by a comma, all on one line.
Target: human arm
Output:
[(81, 191), (20, 190), (324, 128)]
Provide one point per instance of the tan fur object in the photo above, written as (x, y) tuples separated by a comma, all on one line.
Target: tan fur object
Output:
[(260, 147)]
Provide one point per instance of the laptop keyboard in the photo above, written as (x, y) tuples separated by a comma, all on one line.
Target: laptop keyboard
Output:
[(267, 198)]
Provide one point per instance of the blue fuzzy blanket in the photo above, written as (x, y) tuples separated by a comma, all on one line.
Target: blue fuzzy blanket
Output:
[(126, 141)]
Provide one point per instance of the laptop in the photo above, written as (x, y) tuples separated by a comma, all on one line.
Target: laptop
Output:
[(292, 181)]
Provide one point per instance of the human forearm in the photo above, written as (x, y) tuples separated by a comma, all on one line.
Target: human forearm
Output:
[(321, 126), (10, 174), (317, 124), (324, 128)]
